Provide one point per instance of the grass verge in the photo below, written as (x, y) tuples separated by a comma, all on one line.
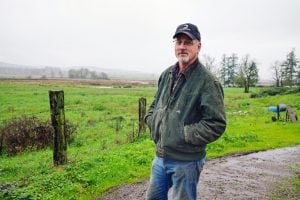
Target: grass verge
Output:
[(288, 188)]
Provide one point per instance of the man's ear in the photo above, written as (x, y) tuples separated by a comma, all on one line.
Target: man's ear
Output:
[(199, 45)]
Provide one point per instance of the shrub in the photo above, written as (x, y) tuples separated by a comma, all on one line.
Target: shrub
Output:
[(272, 91), (29, 133)]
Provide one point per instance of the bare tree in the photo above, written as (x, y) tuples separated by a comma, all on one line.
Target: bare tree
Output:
[(277, 70), (248, 73), (209, 63)]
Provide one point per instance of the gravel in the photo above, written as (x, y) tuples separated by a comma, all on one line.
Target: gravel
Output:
[(235, 177)]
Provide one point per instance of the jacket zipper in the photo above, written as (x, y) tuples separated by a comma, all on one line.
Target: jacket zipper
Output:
[(174, 89), (170, 98)]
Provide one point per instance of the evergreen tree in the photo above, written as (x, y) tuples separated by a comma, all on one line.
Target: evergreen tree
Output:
[(223, 69), (231, 68), (290, 67), (228, 69)]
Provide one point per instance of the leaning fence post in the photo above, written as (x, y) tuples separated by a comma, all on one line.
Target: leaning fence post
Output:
[(58, 122), (142, 113)]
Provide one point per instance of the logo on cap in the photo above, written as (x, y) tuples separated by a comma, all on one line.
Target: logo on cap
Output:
[(185, 28)]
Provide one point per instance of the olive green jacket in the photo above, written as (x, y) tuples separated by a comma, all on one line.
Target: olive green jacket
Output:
[(183, 120)]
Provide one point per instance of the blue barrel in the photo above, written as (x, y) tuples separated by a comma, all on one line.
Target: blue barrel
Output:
[(272, 109)]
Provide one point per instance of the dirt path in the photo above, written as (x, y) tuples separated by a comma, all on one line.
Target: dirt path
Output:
[(232, 177)]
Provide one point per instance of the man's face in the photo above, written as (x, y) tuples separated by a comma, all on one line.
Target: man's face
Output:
[(186, 50)]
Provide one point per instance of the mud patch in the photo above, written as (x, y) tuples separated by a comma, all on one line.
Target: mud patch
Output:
[(237, 177)]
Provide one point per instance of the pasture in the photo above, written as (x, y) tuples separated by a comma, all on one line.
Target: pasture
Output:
[(104, 153)]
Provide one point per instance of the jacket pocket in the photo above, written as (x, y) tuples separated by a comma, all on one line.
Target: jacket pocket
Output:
[(155, 123), (174, 138)]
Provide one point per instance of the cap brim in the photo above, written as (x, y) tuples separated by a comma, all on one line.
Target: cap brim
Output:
[(186, 33)]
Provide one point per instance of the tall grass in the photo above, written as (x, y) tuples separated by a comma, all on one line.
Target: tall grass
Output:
[(102, 156)]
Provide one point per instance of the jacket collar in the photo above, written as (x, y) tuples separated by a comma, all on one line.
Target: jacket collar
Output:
[(188, 71)]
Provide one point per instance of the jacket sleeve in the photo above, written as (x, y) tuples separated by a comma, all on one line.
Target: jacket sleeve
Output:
[(213, 119), (149, 113), (152, 107)]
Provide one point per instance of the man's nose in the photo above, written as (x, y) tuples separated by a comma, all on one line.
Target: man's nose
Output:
[(182, 45)]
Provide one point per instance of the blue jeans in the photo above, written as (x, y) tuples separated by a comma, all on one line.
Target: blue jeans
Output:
[(182, 176)]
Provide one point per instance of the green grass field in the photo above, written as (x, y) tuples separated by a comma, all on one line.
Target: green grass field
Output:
[(102, 157)]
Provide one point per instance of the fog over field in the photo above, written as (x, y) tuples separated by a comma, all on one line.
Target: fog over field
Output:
[(137, 35)]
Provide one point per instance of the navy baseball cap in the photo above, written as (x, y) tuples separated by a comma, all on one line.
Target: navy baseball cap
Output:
[(188, 29)]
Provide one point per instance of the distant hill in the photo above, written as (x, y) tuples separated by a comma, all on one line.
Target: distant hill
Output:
[(8, 70)]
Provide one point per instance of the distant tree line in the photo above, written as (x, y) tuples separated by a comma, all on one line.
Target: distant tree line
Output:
[(29, 72), (287, 72), (84, 73), (233, 73), (11, 70), (243, 72)]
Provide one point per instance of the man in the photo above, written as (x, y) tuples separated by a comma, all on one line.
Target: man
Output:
[(186, 115)]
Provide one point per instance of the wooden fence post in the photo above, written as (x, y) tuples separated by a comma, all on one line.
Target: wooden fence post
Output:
[(58, 122), (142, 113)]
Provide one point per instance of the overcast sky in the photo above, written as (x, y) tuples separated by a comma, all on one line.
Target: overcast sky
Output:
[(137, 34)]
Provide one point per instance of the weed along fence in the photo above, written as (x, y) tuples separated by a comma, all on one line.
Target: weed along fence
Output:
[(56, 99)]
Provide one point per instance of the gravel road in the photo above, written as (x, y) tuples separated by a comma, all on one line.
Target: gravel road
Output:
[(233, 177)]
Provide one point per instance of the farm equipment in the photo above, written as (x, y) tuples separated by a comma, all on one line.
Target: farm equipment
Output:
[(289, 114)]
